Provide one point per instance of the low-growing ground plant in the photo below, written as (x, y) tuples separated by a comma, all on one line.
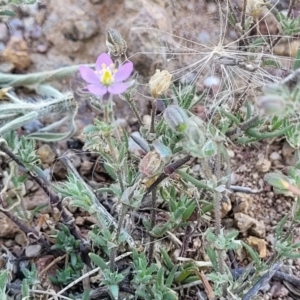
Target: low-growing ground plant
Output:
[(137, 247)]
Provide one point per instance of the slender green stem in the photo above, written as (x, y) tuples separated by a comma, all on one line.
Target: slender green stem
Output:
[(265, 135), (230, 116), (217, 195), (113, 252), (108, 116), (217, 203), (112, 148), (197, 183), (132, 105), (152, 224), (244, 14)]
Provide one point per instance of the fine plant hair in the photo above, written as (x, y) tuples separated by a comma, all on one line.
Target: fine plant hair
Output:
[(157, 227), (16, 113), (241, 71)]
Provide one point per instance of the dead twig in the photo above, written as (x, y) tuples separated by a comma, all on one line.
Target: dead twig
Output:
[(262, 281)]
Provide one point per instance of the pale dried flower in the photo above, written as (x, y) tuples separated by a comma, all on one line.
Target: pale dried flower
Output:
[(254, 7), (159, 83)]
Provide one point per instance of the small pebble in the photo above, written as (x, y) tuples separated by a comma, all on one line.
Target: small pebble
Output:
[(33, 250), (275, 156), (20, 239), (3, 32)]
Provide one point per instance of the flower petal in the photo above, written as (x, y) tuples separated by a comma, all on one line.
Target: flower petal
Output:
[(88, 75), (118, 88), (103, 58), (123, 72), (97, 89)]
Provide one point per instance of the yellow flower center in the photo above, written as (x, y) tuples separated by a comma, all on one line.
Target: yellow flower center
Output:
[(107, 74)]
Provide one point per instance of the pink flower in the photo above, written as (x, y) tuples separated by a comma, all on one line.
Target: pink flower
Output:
[(106, 78)]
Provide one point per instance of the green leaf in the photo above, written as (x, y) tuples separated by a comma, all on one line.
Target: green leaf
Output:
[(191, 206), (97, 260), (110, 170), (25, 289), (7, 13), (86, 295), (258, 42), (167, 259), (114, 289), (277, 180), (197, 183), (73, 258), (4, 276), (213, 257), (253, 254), (231, 20), (271, 63), (297, 60), (186, 273), (171, 276)]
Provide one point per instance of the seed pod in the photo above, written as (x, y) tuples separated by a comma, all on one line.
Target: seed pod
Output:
[(271, 105), (176, 118), (115, 44)]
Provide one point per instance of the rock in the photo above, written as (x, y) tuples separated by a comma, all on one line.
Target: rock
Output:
[(17, 53), (91, 219), (287, 48), (59, 170), (70, 32), (86, 167), (46, 154), (275, 156), (242, 203), (245, 222), (8, 228), (38, 198), (143, 38), (6, 67), (79, 220), (33, 250), (271, 239), (288, 154), (263, 164), (20, 239), (3, 32), (230, 153), (258, 244), (225, 206), (278, 290)]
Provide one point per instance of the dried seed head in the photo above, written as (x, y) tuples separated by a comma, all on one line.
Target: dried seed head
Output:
[(254, 7), (159, 83), (115, 44)]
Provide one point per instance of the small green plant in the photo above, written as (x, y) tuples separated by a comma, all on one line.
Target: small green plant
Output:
[(66, 242)]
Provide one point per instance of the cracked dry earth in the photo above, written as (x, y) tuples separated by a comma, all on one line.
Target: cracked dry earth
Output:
[(31, 43)]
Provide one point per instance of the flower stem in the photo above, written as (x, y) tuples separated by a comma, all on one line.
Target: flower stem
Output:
[(217, 203), (152, 224), (153, 114), (132, 105)]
